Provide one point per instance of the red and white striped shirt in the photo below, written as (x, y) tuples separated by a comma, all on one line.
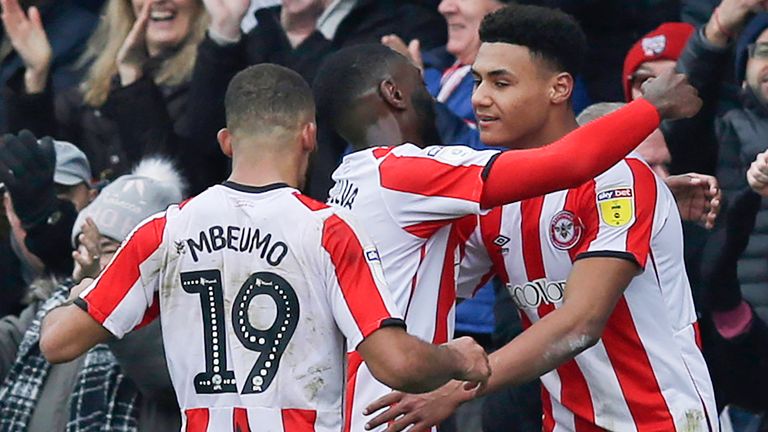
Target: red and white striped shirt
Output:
[(647, 372), (258, 289), (408, 199)]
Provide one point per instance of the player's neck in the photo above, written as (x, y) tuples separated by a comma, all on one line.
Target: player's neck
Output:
[(551, 132), (263, 172), (386, 131)]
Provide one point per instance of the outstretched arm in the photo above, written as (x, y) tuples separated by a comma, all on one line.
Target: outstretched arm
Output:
[(589, 150)]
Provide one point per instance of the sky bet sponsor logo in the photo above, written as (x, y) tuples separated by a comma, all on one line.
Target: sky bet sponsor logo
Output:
[(533, 294), (614, 194)]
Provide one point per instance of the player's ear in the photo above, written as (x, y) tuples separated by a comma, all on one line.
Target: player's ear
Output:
[(562, 88), (392, 95), (225, 141), (309, 137)]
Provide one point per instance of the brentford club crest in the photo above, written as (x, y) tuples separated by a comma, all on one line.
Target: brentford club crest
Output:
[(565, 230)]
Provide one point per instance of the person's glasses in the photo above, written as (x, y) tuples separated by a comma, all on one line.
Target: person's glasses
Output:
[(758, 50)]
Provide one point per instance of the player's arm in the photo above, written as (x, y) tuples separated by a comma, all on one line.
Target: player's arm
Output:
[(120, 300), (550, 342), (68, 331), (406, 363), (590, 149), (592, 290)]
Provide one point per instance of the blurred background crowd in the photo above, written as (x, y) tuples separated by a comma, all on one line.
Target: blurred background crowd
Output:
[(130, 96)]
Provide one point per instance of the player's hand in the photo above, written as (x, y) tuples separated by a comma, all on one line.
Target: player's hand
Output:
[(412, 51), (88, 254), (133, 53), (757, 174), (672, 96), (475, 368), (80, 287), (732, 15), (28, 38), (698, 197), (422, 411), (226, 16)]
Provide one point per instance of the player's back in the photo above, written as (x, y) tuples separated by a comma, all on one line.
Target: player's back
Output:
[(250, 314), (408, 198)]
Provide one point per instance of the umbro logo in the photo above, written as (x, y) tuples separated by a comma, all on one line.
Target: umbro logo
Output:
[(501, 240)]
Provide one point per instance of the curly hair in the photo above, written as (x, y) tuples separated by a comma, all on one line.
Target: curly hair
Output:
[(550, 34)]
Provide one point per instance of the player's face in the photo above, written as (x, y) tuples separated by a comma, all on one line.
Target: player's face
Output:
[(511, 99), (757, 67)]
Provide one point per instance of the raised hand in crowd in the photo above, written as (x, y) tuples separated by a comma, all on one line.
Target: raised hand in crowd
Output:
[(729, 18), (88, 262), (672, 96), (698, 197), (757, 174), (412, 51), (27, 36), (133, 53), (226, 16), (26, 169)]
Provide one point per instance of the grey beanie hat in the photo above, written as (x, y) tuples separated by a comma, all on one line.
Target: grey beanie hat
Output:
[(127, 201)]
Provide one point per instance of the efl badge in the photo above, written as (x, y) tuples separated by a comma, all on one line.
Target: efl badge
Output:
[(565, 230), (654, 46), (616, 206)]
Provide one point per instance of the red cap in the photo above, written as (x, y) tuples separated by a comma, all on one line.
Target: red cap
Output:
[(666, 42)]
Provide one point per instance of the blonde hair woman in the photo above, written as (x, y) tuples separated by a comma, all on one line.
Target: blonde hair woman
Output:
[(139, 62)]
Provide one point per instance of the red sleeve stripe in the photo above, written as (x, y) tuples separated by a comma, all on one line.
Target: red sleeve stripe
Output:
[(240, 420), (309, 202), (582, 203), (428, 177), (354, 276), (151, 313), (380, 152), (446, 296), (639, 235), (426, 230), (299, 420), (123, 272), (197, 419), (634, 371), (354, 361)]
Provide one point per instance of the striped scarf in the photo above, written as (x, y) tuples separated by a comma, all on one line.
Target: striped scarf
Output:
[(103, 398)]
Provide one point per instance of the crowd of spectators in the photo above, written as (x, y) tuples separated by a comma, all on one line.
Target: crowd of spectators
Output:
[(129, 95)]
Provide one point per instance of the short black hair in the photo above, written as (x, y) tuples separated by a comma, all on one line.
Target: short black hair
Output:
[(262, 97), (550, 34), (347, 74)]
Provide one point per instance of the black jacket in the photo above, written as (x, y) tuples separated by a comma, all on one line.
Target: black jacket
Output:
[(740, 135)]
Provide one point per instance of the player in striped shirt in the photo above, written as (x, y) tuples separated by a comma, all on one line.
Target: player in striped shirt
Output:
[(410, 198), (258, 286), (596, 270)]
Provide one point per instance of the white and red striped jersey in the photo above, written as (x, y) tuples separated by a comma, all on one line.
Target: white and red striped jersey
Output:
[(408, 199), (258, 289), (647, 372)]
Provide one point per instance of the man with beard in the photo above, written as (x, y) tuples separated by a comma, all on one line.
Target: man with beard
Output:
[(414, 198)]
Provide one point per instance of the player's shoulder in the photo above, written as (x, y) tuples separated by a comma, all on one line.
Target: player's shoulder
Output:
[(630, 171)]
